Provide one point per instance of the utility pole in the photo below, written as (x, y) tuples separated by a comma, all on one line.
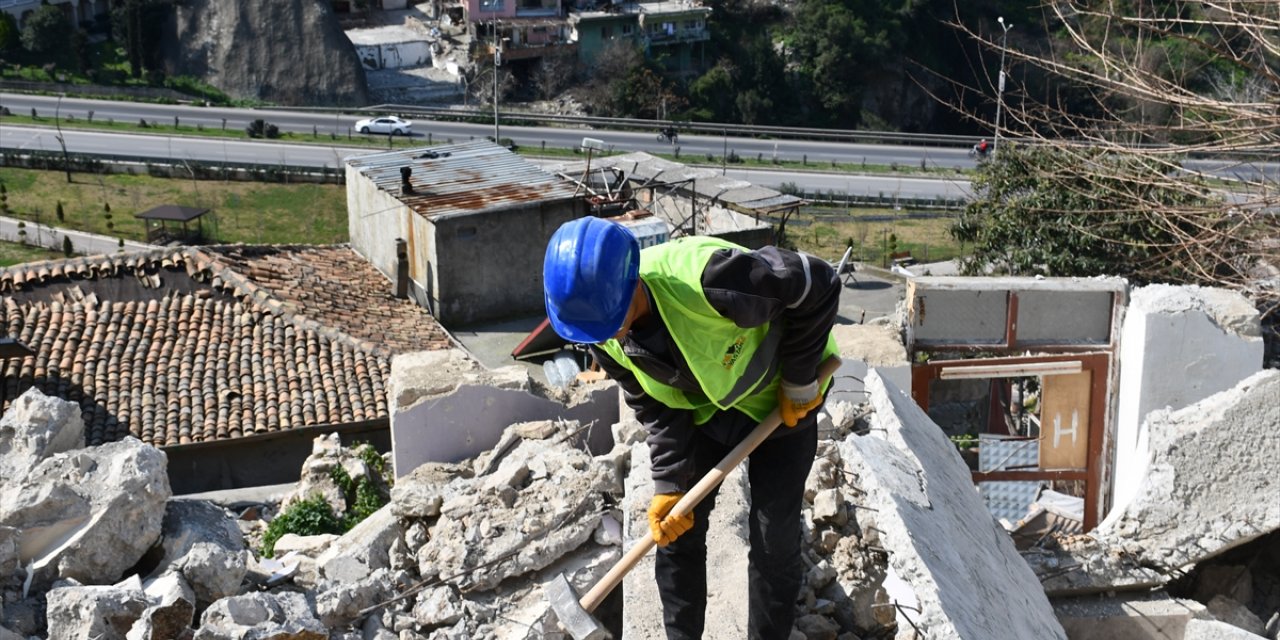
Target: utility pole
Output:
[(995, 146), (497, 60)]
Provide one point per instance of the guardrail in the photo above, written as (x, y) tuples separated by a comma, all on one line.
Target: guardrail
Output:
[(166, 168), (717, 128)]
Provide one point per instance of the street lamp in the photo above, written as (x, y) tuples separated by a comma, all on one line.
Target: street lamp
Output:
[(1000, 82)]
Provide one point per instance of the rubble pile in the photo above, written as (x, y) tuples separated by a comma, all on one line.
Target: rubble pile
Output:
[(93, 546)]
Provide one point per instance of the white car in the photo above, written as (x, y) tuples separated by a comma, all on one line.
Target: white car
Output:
[(385, 124)]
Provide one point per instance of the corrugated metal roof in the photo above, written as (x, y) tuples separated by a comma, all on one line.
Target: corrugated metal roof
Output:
[(462, 179), (707, 182)]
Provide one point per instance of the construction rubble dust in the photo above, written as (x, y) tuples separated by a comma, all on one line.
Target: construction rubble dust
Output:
[(93, 546)]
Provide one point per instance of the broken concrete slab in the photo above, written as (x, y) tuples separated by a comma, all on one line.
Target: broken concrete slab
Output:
[(482, 538), (35, 427), (170, 612), (1216, 630), (961, 564), (1210, 485), (363, 550), (94, 612), (421, 492), (261, 616), (341, 603), (88, 514), (202, 543), (1153, 616), (445, 408), (1178, 345)]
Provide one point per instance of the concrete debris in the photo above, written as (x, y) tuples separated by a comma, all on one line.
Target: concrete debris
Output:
[(1215, 630), (1149, 616), (86, 514), (36, 427), (541, 502), (1191, 506), (341, 603), (79, 612), (201, 543), (330, 464), (283, 615), (171, 609), (898, 544), (363, 550)]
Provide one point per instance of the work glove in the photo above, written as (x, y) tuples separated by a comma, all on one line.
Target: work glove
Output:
[(795, 401), (666, 529)]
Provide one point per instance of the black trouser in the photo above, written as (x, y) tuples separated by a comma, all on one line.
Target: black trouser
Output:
[(776, 470)]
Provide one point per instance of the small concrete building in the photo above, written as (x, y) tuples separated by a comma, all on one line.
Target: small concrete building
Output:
[(390, 47), (460, 228)]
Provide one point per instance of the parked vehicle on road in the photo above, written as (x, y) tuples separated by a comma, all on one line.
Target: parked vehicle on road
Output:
[(393, 125)]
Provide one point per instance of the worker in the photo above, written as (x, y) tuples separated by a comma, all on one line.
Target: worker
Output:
[(705, 338)]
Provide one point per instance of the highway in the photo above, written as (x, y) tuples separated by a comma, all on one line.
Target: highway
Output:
[(564, 137), (180, 148), (691, 145)]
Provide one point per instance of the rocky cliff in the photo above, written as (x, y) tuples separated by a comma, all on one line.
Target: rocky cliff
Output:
[(289, 52)]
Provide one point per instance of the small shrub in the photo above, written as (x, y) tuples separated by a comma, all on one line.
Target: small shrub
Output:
[(34, 115), (142, 123), (309, 517), (67, 249), (59, 212)]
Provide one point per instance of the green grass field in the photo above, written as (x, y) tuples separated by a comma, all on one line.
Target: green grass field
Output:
[(874, 234), (249, 212), (12, 253), (269, 213)]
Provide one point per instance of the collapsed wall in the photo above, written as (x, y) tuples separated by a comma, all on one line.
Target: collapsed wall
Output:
[(1178, 345)]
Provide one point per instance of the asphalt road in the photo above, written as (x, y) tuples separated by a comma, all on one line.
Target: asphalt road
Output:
[(228, 150), (564, 137), (530, 137)]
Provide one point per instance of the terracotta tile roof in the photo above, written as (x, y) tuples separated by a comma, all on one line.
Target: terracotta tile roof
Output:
[(192, 345)]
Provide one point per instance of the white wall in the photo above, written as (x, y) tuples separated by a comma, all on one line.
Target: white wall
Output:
[(1178, 346)]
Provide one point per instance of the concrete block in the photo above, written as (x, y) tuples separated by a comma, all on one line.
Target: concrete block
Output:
[(1215, 630), (1178, 345), (960, 565), (1155, 617), (961, 310), (1210, 483)]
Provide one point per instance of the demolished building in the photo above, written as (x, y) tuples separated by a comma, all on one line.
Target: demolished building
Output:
[(898, 543)]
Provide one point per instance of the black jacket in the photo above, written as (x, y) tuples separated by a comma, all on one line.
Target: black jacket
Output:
[(750, 288)]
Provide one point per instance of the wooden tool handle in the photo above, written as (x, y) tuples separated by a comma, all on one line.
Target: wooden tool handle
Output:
[(714, 477)]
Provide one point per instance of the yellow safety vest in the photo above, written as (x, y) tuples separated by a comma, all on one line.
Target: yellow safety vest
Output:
[(735, 367)]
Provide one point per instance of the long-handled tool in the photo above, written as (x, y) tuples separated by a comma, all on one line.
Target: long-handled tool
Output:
[(575, 614)]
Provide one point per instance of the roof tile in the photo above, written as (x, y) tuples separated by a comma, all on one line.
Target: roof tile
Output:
[(196, 350)]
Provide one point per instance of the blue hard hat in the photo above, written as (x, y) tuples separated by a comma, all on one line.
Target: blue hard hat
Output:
[(588, 277)]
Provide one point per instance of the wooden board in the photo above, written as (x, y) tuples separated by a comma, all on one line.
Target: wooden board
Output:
[(1064, 421)]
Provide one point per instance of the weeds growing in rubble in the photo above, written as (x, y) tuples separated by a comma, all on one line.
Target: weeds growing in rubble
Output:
[(309, 517)]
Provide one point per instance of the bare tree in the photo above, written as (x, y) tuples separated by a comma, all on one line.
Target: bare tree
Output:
[(1161, 114), (554, 74)]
